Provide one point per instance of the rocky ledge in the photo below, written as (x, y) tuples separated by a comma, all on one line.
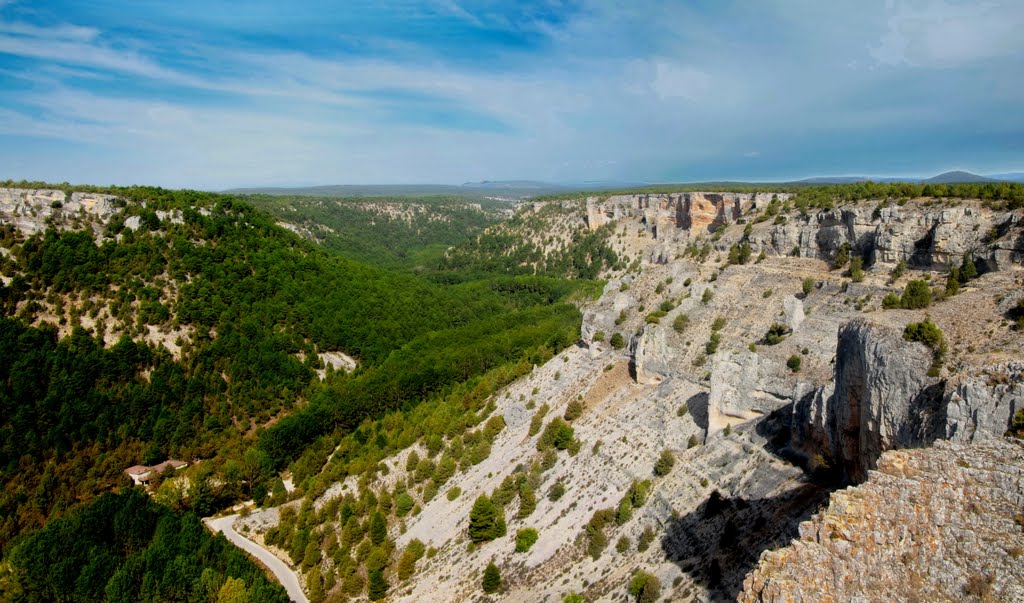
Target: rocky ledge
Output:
[(936, 524)]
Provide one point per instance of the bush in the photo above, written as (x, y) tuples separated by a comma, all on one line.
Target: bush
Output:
[(891, 301), (842, 257), (794, 363), (525, 538), (453, 492), (644, 587), (898, 271), (916, 295), (599, 336), (403, 504), (718, 324), (617, 341), (953, 282), (808, 285), (712, 345), (693, 442), (666, 461), (646, 538), (557, 491), (968, 271), (707, 296), (557, 434), (492, 579), (573, 410), (680, 323), (927, 333), (857, 269), (776, 333)]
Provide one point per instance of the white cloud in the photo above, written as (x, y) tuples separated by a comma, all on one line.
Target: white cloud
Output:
[(948, 34), (673, 80)]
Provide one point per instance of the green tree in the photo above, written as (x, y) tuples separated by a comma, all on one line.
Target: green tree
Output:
[(492, 579), (857, 269), (794, 362), (378, 528), (484, 524), (377, 587), (233, 591), (617, 341), (953, 281), (808, 285), (644, 587), (525, 538), (916, 295), (968, 271), (403, 504), (666, 461)]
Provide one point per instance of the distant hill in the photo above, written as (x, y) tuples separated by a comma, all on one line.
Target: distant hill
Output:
[(1008, 177), (957, 177), (513, 189)]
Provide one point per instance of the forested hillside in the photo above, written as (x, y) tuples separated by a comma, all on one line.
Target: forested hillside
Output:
[(397, 232), (190, 325)]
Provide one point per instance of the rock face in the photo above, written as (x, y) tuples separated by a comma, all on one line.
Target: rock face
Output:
[(937, 524), (882, 399), (32, 210), (697, 213), (933, 238), (982, 406), (746, 386)]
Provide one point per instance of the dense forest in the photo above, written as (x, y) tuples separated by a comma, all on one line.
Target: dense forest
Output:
[(396, 232), (87, 389), (125, 548)]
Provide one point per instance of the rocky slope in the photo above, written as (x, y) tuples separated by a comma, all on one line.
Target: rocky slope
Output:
[(939, 524), (759, 438)]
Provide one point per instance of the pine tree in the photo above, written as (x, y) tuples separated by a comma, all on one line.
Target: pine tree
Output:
[(378, 528), (492, 579), (483, 520), (378, 586)]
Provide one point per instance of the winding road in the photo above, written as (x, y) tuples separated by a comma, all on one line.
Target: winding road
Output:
[(284, 574)]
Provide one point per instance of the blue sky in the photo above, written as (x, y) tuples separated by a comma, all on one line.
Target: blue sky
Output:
[(212, 95)]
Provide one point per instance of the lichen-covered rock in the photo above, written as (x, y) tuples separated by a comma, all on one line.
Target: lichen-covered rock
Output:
[(935, 524)]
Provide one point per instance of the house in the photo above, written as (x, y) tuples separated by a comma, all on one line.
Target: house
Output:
[(142, 475)]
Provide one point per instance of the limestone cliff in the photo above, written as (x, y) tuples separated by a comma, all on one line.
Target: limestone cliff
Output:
[(937, 524)]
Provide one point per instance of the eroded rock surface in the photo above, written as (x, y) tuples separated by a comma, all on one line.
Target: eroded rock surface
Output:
[(936, 524)]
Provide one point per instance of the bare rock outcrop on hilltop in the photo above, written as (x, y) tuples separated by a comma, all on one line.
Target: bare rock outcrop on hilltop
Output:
[(937, 524), (933, 237), (883, 399), (663, 214)]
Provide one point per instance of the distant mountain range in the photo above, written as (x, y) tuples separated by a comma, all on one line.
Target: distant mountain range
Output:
[(954, 177), (522, 189)]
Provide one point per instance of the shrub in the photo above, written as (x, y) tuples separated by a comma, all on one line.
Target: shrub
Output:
[(898, 271), (682, 410), (454, 492), (557, 491), (617, 341), (403, 504), (707, 296), (492, 579), (712, 345), (573, 410), (692, 442), (890, 301), (680, 323), (776, 333), (624, 512), (808, 285), (927, 333), (953, 281), (644, 587), (857, 269), (594, 532), (557, 434), (646, 538), (916, 295), (573, 598), (968, 271), (842, 257), (666, 461), (525, 538), (599, 336), (794, 363), (718, 324)]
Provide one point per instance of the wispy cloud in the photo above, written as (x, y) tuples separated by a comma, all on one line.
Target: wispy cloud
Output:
[(453, 90)]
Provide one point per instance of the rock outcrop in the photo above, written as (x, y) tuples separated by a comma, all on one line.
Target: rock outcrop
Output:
[(664, 214), (937, 524), (746, 386), (882, 398), (931, 237)]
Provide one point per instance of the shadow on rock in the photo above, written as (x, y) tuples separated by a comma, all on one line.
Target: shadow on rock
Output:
[(721, 540), (698, 408)]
